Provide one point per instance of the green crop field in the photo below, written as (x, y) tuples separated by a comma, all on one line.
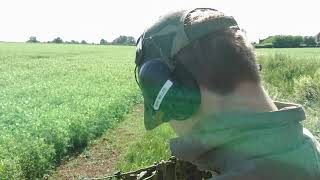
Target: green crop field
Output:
[(54, 99), (307, 53)]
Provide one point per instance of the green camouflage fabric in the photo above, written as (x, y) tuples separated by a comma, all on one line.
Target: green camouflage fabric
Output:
[(253, 145), (171, 34), (172, 169)]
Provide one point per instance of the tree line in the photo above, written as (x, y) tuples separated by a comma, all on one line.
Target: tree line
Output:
[(121, 40), (288, 41), (278, 41)]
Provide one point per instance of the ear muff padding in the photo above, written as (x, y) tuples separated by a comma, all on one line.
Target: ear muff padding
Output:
[(152, 76), (184, 97), (181, 100)]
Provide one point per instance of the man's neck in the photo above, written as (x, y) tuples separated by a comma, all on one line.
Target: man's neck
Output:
[(247, 97)]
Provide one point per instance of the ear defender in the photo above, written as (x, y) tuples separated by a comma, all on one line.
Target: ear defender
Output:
[(185, 98), (176, 94)]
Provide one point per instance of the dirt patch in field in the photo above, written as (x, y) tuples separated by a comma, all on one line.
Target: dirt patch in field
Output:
[(101, 156)]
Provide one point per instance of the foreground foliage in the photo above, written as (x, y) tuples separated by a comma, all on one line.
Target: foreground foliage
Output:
[(55, 98), (293, 75)]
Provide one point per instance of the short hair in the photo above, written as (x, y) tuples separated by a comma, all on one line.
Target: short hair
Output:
[(220, 60)]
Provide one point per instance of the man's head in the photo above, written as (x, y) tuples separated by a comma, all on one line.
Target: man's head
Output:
[(187, 50)]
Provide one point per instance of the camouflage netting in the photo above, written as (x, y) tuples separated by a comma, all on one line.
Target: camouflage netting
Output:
[(172, 169)]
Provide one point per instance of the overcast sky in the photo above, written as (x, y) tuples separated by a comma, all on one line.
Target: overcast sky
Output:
[(92, 20)]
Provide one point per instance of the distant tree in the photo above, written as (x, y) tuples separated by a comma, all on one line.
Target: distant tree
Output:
[(102, 42), (124, 40), (57, 40), (309, 41), (120, 40), (131, 40), (268, 40), (83, 42), (74, 42), (32, 39), (282, 41)]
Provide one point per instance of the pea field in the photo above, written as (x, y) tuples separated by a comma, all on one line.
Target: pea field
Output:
[(55, 99)]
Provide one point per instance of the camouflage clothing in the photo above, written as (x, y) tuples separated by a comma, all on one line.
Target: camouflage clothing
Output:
[(263, 145), (173, 169)]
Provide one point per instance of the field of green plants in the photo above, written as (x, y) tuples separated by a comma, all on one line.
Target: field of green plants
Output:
[(54, 99)]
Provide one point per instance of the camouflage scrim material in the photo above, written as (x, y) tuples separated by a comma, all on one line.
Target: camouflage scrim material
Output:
[(172, 169), (253, 145), (170, 34)]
